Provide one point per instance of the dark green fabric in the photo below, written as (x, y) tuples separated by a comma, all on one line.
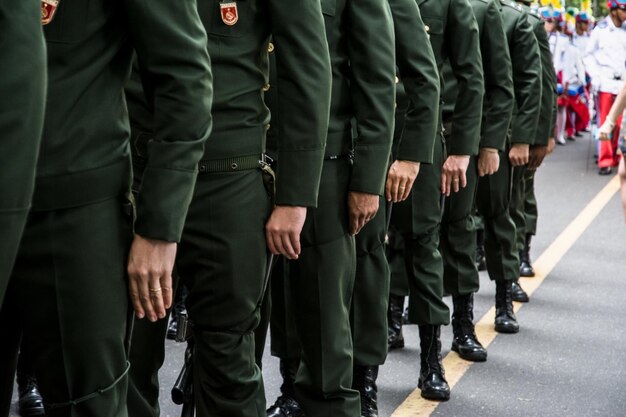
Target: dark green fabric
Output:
[(531, 213), (454, 36), (22, 88), (516, 206), (371, 291), (86, 126), (492, 202), (499, 97), (395, 256), (458, 232), (363, 57), (526, 72), (548, 79), (322, 284), (458, 238), (284, 342), (76, 356), (225, 225), (420, 79), (418, 219)]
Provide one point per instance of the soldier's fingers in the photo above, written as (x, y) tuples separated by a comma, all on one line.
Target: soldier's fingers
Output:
[(270, 243), (166, 286), (407, 189), (278, 244), (156, 297), (396, 191), (290, 252), (144, 296), (388, 187), (445, 184), (353, 222), (134, 298), (294, 237)]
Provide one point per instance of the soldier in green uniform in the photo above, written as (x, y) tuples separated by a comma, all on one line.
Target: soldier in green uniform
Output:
[(524, 205), (22, 88), (494, 191), (458, 233), (21, 121), (453, 35), (317, 365), (74, 255), (223, 253), (417, 70)]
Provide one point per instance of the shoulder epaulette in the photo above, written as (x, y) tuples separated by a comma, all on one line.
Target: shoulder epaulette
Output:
[(512, 4)]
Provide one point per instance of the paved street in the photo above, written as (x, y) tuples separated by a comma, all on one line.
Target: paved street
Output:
[(569, 359)]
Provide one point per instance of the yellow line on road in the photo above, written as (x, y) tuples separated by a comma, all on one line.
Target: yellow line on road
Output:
[(416, 406)]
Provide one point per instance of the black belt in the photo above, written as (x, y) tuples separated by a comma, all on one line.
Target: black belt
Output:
[(212, 166)]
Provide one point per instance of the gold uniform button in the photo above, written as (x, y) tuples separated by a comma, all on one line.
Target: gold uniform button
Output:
[(266, 87), (397, 80), (427, 28), (270, 48)]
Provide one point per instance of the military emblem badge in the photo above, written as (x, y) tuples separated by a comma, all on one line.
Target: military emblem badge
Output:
[(230, 16), (48, 8)]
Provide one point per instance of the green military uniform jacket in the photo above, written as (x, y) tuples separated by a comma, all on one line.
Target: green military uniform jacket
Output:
[(453, 33), (526, 72), (499, 97), (418, 73), (85, 145), (240, 66), (361, 44), (548, 79)]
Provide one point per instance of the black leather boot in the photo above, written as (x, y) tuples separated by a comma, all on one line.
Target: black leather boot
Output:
[(465, 342), (432, 379), (518, 294), (364, 381), (286, 405), (481, 260), (525, 267), (395, 338), (505, 321), (30, 403)]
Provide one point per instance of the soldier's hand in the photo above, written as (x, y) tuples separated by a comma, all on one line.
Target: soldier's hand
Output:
[(488, 161), (519, 154), (551, 145), (282, 230), (537, 154), (150, 265), (400, 180), (362, 208), (453, 174)]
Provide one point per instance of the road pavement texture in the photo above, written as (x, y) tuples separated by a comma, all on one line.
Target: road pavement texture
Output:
[(568, 358)]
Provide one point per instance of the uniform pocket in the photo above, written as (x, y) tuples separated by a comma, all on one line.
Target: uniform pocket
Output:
[(69, 23)]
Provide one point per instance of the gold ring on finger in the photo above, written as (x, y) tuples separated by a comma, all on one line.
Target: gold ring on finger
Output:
[(155, 290)]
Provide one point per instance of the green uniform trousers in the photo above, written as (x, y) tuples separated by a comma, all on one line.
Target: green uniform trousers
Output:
[(317, 294), (492, 202), (418, 219), (530, 205), (395, 257), (71, 265), (22, 88), (517, 206), (222, 260), (371, 291), (458, 238)]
